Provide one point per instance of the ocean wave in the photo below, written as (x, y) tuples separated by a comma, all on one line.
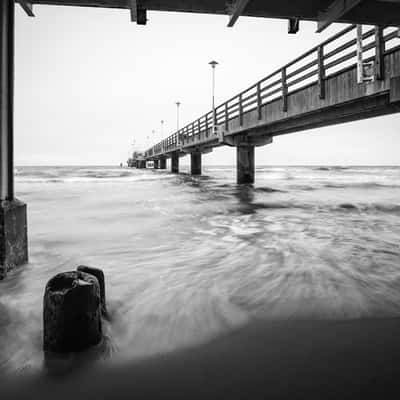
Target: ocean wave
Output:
[(374, 207), (267, 189), (302, 187), (385, 208), (87, 179), (360, 185), (322, 169)]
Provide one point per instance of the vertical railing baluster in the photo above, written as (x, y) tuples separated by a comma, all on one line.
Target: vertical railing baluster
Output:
[(226, 117), (321, 73), (379, 54), (240, 109), (284, 90), (359, 51), (198, 127), (259, 101), (206, 125)]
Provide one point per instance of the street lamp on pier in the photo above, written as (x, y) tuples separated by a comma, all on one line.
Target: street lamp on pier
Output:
[(177, 114), (213, 65)]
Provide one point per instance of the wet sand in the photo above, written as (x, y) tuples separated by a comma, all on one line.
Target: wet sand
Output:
[(356, 359)]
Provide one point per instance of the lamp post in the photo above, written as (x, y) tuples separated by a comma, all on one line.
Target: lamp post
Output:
[(213, 65), (162, 129), (177, 115)]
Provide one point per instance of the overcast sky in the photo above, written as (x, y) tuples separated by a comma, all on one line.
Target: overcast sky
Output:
[(89, 82)]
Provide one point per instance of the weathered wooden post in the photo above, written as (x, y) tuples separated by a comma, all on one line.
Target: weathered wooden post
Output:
[(71, 313), (99, 274)]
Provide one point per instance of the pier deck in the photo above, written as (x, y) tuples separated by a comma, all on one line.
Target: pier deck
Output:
[(321, 87)]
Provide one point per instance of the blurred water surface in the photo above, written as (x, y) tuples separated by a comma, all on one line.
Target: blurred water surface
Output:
[(189, 258)]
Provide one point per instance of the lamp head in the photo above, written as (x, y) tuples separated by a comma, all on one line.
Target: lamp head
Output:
[(213, 64)]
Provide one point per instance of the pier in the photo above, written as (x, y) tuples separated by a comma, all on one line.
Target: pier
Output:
[(351, 76), (320, 88)]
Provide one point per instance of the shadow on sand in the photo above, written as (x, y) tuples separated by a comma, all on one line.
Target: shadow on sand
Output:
[(357, 359)]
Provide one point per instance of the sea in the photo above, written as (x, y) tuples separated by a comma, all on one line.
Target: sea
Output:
[(187, 259)]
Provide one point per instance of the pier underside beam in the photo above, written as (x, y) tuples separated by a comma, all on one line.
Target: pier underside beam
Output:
[(163, 163), (175, 162), (195, 163), (13, 231), (245, 167)]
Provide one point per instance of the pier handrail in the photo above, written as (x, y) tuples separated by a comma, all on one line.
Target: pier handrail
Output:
[(292, 77)]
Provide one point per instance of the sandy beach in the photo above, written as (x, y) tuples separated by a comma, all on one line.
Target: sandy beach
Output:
[(266, 360)]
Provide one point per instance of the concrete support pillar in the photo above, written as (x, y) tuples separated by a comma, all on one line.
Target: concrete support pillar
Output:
[(13, 231), (245, 164), (7, 99), (175, 162), (163, 163), (156, 164), (195, 163)]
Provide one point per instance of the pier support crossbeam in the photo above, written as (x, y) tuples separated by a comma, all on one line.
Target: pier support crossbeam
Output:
[(13, 231), (175, 162), (195, 163)]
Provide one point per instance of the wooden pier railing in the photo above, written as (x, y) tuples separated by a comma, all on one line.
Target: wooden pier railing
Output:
[(332, 56)]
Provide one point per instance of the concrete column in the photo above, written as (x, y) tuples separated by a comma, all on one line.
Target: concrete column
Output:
[(163, 163), (195, 163), (7, 99), (245, 164), (13, 226), (156, 164), (175, 162)]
